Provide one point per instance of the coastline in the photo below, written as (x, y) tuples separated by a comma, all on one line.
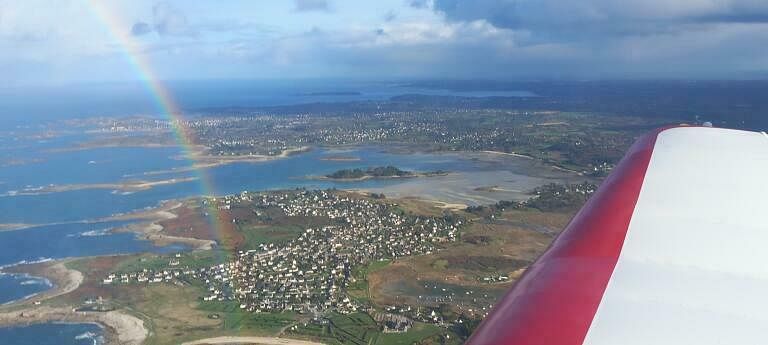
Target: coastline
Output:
[(23, 226), (508, 154), (554, 166), (125, 187), (146, 225), (149, 227), (340, 159), (371, 177), (119, 327), (202, 160), (15, 226), (62, 279)]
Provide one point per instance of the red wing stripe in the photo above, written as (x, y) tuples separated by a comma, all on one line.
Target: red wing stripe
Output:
[(557, 298)]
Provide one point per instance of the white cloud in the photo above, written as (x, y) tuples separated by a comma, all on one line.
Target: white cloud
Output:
[(65, 40)]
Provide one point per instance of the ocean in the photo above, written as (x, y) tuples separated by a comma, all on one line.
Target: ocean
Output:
[(53, 334), (28, 106)]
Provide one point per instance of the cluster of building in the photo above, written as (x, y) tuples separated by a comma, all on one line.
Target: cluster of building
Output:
[(265, 133), (393, 323), (313, 271), (268, 134), (149, 276)]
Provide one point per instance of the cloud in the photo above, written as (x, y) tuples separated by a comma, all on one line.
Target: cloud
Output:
[(171, 21), (311, 5), (418, 3), (140, 29), (418, 38), (585, 19), (415, 47), (390, 16)]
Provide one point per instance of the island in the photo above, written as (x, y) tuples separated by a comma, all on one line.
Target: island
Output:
[(389, 171), (340, 158)]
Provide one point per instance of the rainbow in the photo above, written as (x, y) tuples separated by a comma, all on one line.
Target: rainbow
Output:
[(135, 57)]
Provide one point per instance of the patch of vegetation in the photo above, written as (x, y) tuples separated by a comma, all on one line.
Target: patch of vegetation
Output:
[(440, 264), (546, 198), (554, 197), (466, 326), (387, 171), (235, 319), (256, 235), (420, 333), (378, 196), (490, 211), (361, 329), (355, 328), (194, 259), (485, 263), (359, 289)]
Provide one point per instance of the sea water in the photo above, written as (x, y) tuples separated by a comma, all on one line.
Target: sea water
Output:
[(53, 334)]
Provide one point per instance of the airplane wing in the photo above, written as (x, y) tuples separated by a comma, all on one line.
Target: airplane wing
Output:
[(671, 249)]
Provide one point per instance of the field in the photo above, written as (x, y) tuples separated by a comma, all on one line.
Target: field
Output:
[(468, 275), (360, 329), (359, 289), (195, 259)]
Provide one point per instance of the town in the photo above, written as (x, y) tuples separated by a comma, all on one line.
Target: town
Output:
[(312, 272), (588, 143)]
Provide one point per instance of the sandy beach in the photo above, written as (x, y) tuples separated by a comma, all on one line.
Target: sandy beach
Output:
[(340, 159), (370, 177), (119, 327), (125, 187), (203, 160), (64, 280), (151, 229), (512, 154), (14, 226), (508, 154), (148, 228)]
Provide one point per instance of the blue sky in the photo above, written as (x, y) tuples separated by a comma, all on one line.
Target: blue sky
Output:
[(62, 41)]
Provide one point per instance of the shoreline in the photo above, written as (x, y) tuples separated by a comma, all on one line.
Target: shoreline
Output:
[(203, 160), (63, 280), (118, 327), (125, 187), (552, 165), (145, 225), (508, 154), (24, 226), (340, 159), (371, 177), (149, 227)]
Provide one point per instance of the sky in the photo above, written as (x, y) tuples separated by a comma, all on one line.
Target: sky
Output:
[(69, 41)]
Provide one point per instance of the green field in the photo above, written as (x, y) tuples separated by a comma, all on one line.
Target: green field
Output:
[(195, 259), (356, 328), (359, 289), (235, 319), (361, 329), (256, 235)]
